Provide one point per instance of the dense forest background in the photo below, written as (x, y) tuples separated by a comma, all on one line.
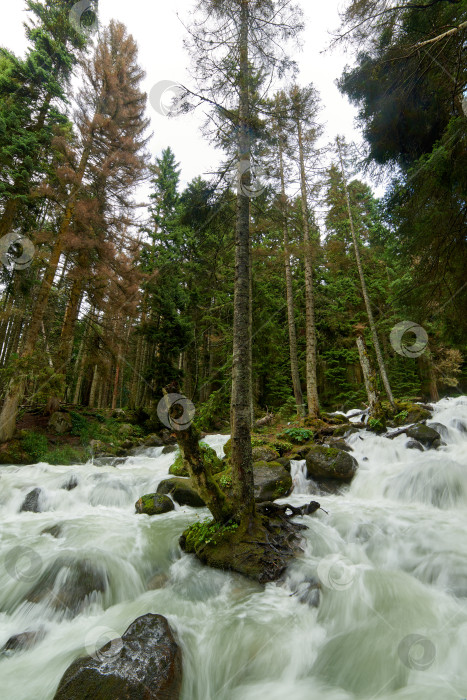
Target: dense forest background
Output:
[(98, 311)]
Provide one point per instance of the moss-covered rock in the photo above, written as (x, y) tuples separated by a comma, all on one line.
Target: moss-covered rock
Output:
[(285, 461), (331, 463), (60, 422), (264, 453), (271, 481), (182, 491), (259, 548), (154, 504)]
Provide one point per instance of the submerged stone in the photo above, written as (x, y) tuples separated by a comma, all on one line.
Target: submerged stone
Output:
[(68, 585), (144, 664)]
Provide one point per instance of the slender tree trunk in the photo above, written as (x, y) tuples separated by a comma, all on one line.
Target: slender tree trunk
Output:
[(297, 389), (366, 298), (369, 374), (92, 393), (242, 465), (311, 372)]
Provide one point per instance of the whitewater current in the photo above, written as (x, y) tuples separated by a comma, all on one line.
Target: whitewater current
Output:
[(375, 607)]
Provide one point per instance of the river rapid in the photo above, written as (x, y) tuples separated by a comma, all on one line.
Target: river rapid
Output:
[(375, 607)]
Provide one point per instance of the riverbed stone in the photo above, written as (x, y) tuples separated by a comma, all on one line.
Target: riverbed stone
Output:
[(339, 444), (429, 437), (32, 502), (154, 504), (271, 481), (78, 582), (412, 444), (144, 664), (331, 463), (182, 491), (153, 440), (263, 453)]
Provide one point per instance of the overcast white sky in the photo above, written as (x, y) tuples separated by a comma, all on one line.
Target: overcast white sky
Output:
[(159, 34)]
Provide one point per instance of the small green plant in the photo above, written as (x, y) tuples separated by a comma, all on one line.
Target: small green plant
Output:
[(403, 415), (297, 435), (288, 409), (375, 424), (205, 531), (225, 481)]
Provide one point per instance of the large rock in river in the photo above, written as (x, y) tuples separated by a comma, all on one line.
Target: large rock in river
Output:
[(32, 502), (272, 481), (145, 664), (182, 491), (154, 504), (427, 436), (264, 453), (331, 463), (69, 585)]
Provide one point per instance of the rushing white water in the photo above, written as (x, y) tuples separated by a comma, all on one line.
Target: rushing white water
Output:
[(387, 565)]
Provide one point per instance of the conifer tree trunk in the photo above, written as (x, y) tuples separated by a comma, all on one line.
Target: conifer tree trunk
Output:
[(369, 374), (374, 335), (297, 389), (311, 360), (242, 466)]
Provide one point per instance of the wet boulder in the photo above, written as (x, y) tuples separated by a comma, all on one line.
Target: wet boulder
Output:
[(69, 585), (285, 461), (271, 481), (414, 445), (153, 440), (154, 504), (440, 428), (182, 491), (60, 422), (339, 444), (53, 530), (21, 642), (144, 664), (429, 437), (32, 502), (331, 463), (71, 483), (264, 454)]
